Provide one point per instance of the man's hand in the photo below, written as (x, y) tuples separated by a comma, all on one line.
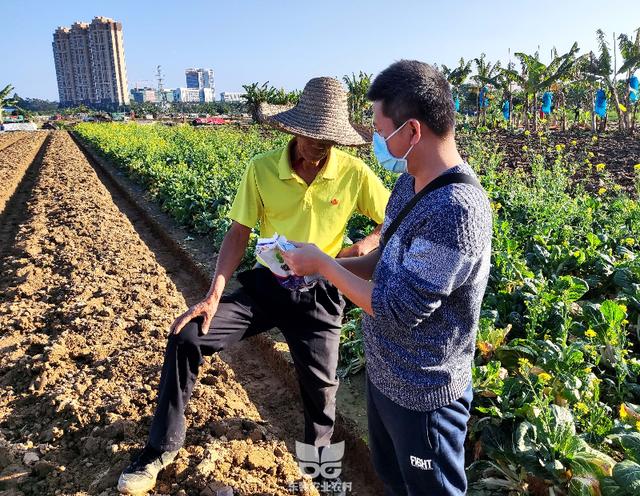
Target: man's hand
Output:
[(364, 246), (305, 259), (354, 250), (206, 308)]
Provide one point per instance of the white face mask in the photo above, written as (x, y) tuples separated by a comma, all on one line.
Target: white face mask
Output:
[(384, 156)]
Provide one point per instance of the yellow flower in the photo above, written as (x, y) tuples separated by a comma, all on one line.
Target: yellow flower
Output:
[(594, 139), (623, 307), (527, 132), (581, 407), (590, 333), (629, 241), (600, 167), (524, 365), (544, 377), (525, 148), (622, 107), (543, 139), (590, 155), (636, 167), (574, 142), (539, 133), (602, 191), (623, 412), (587, 370)]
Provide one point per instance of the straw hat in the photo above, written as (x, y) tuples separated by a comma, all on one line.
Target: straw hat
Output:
[(322, 113)]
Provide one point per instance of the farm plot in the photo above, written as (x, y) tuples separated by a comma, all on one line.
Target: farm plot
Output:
[(84, 309)]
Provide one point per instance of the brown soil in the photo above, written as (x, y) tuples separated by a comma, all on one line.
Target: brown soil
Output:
[(619, 152), (15, 156), (7, 139), (84, 309)]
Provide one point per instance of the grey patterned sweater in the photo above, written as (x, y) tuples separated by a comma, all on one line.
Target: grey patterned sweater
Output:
[(428, 288)]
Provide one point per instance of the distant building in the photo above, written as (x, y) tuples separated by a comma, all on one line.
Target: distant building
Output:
[(143, 95), (230, 96), (193, 95), (90, 64), (200, 78), (169, 95)]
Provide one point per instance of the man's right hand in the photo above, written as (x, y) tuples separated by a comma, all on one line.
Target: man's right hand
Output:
[(206, 308)]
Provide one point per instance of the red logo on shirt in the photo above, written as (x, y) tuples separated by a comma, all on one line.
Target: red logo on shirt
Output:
[(334, 201)]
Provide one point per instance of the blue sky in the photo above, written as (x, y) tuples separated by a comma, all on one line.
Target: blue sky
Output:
[(287, 42)]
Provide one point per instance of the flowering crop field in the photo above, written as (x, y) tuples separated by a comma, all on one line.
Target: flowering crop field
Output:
[(558, 351)]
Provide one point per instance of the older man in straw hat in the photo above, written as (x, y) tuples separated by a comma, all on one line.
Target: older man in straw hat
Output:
[(306, 191)]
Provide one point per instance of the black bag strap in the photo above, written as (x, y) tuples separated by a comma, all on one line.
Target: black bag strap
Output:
[(438, 182)]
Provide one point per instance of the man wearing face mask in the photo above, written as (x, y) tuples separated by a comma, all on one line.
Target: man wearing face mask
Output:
[(307, 190), (421, 290)]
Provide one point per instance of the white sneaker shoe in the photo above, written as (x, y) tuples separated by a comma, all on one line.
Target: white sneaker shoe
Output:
[(140, 476)]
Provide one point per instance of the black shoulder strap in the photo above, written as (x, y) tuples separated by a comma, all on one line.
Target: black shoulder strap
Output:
[(438, 182)]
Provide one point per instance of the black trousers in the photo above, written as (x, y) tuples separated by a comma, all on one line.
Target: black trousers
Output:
[(310, 322), (418, 453)]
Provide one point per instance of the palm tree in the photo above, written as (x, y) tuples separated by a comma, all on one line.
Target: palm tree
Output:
[(484, 70), (630, 51), (5, 100), (536, 76)]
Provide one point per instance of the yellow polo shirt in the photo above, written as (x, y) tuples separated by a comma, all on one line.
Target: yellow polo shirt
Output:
[(274, 196)]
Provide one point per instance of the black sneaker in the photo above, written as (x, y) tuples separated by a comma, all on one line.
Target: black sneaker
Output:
[(140, 476)]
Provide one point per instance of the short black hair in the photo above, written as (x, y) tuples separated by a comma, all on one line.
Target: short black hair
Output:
[(410, 89)]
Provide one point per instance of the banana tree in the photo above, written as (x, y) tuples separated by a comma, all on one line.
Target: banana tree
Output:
[(256, 93), (357, 97), (601, 68), (5, 99), (457, 76), (503, 82), (535, 76), (484, 70), (630, 51)]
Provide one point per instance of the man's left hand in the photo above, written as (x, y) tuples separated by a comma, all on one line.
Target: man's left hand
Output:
[(354, 250), (305, 259)]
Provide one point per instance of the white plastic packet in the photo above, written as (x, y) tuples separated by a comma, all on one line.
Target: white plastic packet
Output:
[(268, 253)]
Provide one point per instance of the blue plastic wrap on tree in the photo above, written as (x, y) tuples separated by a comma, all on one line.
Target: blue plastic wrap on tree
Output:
[(483, 99), (506, 111), (633, 89), (600, 107), (457, 103), (547, 100)]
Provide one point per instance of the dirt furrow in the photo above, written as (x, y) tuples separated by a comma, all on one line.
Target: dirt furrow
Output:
[(15, 158), (84, 309), (7, 139)]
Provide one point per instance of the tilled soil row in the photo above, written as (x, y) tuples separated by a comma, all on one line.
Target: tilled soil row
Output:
[(7, 139), (15, 158), (84, 309)]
